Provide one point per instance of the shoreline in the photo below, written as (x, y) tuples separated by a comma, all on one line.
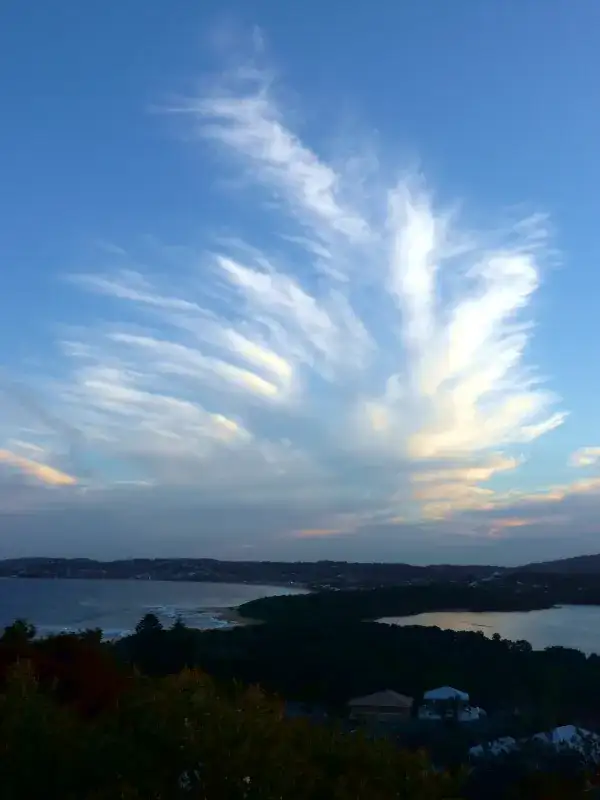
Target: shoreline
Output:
[(231, 615), (293, 588)]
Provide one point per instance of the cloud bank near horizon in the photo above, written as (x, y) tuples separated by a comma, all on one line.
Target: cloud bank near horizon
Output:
[(353, 361)]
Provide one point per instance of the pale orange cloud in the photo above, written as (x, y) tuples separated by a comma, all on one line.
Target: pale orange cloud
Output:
[(498, 526), (560, 492), (474, 473), (43, 472), (444, 492), (585, 457), (308, 533)]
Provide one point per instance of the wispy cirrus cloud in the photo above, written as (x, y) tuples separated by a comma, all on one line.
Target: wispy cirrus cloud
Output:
[(242, 116), (355, 356), (465, 369)]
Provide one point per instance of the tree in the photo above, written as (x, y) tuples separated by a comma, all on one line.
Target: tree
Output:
[(148, 625), (20, 632), (183, 737)]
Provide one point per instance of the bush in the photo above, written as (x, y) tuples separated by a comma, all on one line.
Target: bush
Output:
[(181, 737)]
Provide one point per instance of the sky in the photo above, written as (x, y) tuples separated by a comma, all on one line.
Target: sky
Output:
[(300, 281)]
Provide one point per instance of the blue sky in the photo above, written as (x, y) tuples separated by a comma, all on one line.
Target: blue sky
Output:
[(287, 282)]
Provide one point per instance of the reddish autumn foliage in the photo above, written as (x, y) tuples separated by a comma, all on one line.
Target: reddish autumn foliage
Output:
[(78, 669), (182, 737)]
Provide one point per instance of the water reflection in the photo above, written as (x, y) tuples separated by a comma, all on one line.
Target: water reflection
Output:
[(564, 626)]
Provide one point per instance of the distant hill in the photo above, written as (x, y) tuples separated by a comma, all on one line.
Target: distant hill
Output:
[(579, 565), (317, 574), (313, 574)]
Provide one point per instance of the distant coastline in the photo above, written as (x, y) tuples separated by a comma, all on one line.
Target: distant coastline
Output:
[(300, 575), (135, 579)]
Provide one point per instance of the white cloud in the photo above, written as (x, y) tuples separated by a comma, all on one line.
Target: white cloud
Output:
[(171, 358), (244, 118), (319, 331), (464, 374), (131, 285), (364, 365)]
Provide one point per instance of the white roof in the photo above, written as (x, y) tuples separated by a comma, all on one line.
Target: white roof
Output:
[(445, 693), (564, 737), (568, 735), (503, 745)]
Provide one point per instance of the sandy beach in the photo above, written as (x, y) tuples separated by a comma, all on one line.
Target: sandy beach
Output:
[(232, 616)]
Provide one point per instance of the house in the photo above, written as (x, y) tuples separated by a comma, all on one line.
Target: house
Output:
[(448, 703), (499, 747), (570, 737), (566, 738), (384, 706)]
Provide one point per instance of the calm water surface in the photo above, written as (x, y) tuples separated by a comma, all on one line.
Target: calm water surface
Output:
[(117, 606), (564, 626)]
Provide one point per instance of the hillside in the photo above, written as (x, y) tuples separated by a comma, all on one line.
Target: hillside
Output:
[(311, 574), (579, 565)]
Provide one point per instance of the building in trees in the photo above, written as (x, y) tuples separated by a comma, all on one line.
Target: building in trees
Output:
[(446, 703), (384, 706)]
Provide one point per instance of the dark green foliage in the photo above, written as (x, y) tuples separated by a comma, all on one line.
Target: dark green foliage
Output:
[(148, 625), (95, 731), (182, 737), (535, 770), (512, 593), (20, 632), (326, 664)]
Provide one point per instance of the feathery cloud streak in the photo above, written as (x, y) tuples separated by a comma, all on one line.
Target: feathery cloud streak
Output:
[(363, 356)]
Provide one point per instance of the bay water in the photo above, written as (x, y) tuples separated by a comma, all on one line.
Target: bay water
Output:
[(116, 606), (562, 626)]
